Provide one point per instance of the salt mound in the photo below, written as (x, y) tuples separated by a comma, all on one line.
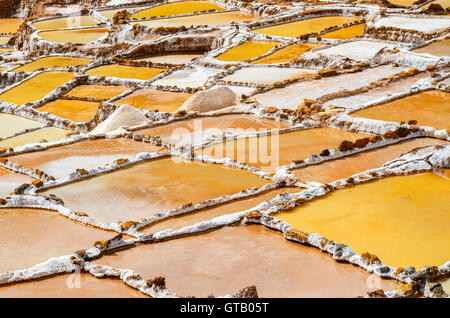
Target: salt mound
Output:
[(212, 99), (123, 116)]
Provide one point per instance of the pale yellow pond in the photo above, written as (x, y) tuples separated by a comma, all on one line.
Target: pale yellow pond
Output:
[(123, 71), (201, 19), (52, 61), (69, 22), (404, 220), (298, 28), (287, 53), (176, 8), (36, 88), (7, 50), (247, 50), (151, 99), (81, 36), (75, 110), (429, 108), (47, 134), (97, 92), (10, 25), (10, 124), (346, 33)]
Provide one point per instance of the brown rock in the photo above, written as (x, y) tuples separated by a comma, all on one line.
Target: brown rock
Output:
[(329, 72), (370, 259), (346, 146), (82, 172), (253, 215), (361, 143), (157, 282), (402, 131), (297, 235), (37, 183), (2, 201), (247, 292), (379, 293), (101, 244), (407, 289), (121, 161), (390, 135), (126, 225)]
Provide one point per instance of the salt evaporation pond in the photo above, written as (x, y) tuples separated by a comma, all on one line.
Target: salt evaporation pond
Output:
[(439, 48), (231, 258), (62, 160), (10, 180), (40, 135), (150, 99), (198, 130), (287, 53), (52, 61), (247, 50), (342, 168), (266, 75), (32, 236), (188, 219), (11, 125), (177, 8), (269, 152), (75, 110), (77, 285), (429, 108), (64, 23), (36, 87), (81, 36), (151, 187), (298, 28), (97, 92), (404, 220), (10, 25), (126, 72)]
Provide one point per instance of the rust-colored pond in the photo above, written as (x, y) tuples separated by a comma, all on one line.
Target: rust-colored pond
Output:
[(151, 99), (180, 221), (151, 187), (10, 180), (70, 286), (404, 220), (97, 92), (194, 131), (32, 236), (75, 110), (226, 260), (429, 108), (333, 170), (272, 151)]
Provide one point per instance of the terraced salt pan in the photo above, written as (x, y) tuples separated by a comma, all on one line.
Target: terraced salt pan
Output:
[(151, 99), (195, 131), (32, 236), (36, 87), (81, 36), (89, 154), (40, 135), (298, 28), (357, 50), (266, 75), (287, 54), (11, 124), (247, 50), (156, 186), (201, 19), (269, 152), (404, 3), (177, 8), (71, 286), (10, 25), (10, 180), (52, 61), (63, 23), (180, 221), (124, 71), (97, 92), (429, 108), (188, 77), (75, 110), (334, 170), (439, 48), (292, 95), (422, 25), (404, 220), (346, 33), (223, 261), (172, 58), (381, 93)]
